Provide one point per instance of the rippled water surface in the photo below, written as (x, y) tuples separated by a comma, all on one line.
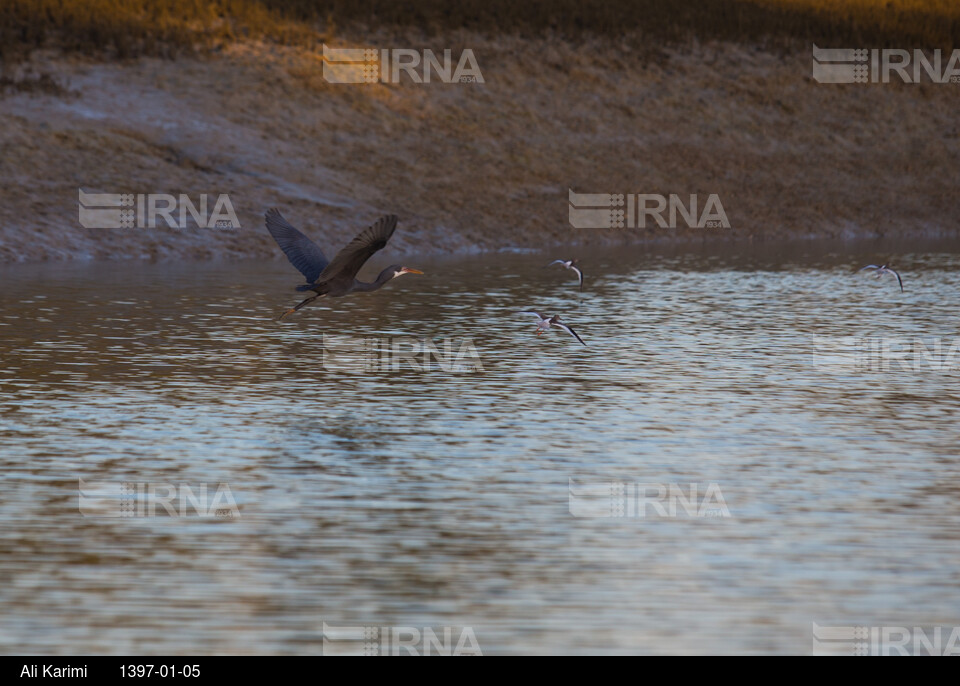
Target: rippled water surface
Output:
[(441, 496)]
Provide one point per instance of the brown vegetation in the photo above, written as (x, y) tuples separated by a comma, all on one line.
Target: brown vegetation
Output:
[(474, 166), (127, 28)]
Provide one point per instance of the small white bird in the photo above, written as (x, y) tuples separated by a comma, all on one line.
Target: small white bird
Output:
[(884, 269), (546, 322), (570, 264)]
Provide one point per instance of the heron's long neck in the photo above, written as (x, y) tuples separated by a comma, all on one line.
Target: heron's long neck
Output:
[(364, 286)]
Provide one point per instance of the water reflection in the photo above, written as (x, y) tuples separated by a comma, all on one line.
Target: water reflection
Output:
[(433, 498)]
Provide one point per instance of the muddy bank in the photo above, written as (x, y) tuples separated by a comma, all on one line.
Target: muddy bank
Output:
[(473, 166)]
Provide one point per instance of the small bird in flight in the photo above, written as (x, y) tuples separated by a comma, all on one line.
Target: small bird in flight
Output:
[(570, 264), (337, 277), (884, 269), (546, 322)]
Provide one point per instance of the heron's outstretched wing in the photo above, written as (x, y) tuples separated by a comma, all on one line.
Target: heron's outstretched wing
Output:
[(303, 253), (348, 261), (563, 262), (570, 330), (536, 314), (869, 266)]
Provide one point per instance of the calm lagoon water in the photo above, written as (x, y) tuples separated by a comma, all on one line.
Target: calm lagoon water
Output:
[(368, 495)]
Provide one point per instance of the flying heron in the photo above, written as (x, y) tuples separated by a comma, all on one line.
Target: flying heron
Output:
[(570, 264), (884, 269), (547, 322), (337, 277)]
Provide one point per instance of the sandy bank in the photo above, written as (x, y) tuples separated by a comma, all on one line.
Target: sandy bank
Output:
[(474, 166)]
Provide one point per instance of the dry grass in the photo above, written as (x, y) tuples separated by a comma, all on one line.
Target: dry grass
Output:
[(132, 28), (129, 28), (469, 167)]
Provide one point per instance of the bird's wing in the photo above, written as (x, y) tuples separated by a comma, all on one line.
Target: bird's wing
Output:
[(579, 275), (348, 261), (536, 314), (869, 266), (556, 262), (570, 331), (303, 253), (899, 280)]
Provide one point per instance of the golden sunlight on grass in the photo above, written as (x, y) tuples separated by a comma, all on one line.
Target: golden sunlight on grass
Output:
[(128, 28)]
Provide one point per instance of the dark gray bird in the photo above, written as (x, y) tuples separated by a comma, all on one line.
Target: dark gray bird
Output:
[(337, 277), (570, 264), (546, 322), (884, 269)]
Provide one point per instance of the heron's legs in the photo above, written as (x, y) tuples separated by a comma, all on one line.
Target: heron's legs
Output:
[(305, 302)]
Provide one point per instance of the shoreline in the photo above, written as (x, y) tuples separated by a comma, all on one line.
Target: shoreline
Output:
[(790, 249), (685, 243)]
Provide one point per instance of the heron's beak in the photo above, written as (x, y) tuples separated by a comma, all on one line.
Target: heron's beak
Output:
[(407, 270)]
